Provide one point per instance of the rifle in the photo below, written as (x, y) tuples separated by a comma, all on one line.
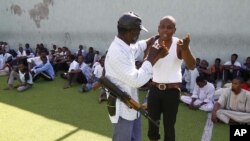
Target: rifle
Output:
[(125, 98)]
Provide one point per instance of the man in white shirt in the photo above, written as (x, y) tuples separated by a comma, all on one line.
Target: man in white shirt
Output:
[(70, 75), (231, 69), (121, 70), (5, 62), (202, 96), (233, 105), (97, 73)]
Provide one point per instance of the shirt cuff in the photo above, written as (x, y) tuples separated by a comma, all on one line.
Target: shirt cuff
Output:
[(146, 64)]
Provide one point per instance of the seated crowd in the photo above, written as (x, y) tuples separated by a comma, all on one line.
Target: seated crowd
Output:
[(27, 66), (222, 89), (218, 74)]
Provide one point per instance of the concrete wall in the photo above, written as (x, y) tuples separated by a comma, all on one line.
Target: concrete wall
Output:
[(217, 27)]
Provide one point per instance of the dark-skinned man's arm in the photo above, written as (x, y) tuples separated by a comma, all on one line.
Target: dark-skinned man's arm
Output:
[(217, 106), (185, 53)]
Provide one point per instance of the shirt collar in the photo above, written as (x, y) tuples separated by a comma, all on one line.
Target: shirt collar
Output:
[(122, 43)]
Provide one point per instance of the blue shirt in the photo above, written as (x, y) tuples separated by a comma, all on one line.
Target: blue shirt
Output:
[(86, 70), (45, 67)]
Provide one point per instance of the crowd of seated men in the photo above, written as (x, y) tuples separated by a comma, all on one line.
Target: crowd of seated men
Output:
[(218, 73), (222, 89), (28, 66)]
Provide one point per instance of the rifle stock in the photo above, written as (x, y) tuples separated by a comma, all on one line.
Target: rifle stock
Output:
[(124, 97), (96, 86)]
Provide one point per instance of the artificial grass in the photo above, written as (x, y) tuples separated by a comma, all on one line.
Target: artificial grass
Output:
[(47, 112)]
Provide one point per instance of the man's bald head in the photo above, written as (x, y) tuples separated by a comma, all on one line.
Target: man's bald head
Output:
[(170, 18)]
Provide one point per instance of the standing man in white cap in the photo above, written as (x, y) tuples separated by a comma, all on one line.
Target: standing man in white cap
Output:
[(121, 70)]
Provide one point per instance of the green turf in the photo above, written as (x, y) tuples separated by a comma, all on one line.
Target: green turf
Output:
[(49, 113)]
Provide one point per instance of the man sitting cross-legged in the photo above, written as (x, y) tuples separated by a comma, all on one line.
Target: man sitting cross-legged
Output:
[(98, 72), (44, 70), (22, 75), (74, 73), (202, 96), (233, 105)]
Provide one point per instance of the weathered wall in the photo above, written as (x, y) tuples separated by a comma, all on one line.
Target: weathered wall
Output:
[(217, 27)]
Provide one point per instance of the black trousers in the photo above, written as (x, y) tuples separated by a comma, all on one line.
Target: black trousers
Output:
[(166, 102)]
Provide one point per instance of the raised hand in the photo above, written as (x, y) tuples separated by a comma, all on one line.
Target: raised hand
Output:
[(163, 51), (184, 43), (150, 41)]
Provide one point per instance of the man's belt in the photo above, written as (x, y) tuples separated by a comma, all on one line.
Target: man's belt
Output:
[(165, 86)]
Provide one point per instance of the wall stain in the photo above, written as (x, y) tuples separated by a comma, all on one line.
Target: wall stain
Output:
[(16, 9), (67, 39), (40, 12)]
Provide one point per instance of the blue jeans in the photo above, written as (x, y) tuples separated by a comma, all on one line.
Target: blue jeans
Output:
[(125, 130)]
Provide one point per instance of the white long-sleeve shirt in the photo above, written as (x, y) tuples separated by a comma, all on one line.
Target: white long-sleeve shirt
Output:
[(121, 70), (205, 94)]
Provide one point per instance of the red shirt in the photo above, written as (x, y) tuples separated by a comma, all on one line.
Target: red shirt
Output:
[(245, 87)]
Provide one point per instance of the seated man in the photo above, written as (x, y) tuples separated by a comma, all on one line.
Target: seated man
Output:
[(233, 104), (202, 96), (216, 73), (91, 77), (245, 70), (23, 75), (5, 62), (204, 71), (231, 69), (44, 70), (74, 74)]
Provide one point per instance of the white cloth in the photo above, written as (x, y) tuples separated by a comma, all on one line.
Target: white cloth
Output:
[(36, 60), (187, 78), (97, 57), (226, 115), (236, 63), (208, 107), (205, 94), (3, 59), (173, 64), (98, 71), (236, 107), (121, 70), (73, 66), (193, 75), (19, 54), (31, 55), (82, 52), (230, 101), (94, 65), (22, 77)]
